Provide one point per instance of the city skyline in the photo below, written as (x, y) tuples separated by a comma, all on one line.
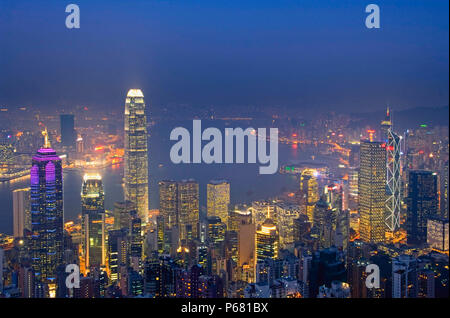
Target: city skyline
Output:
[(240, 151)]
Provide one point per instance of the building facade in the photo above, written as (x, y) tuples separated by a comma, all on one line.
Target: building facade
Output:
[(136, 152), (372, 191), (46, 196)]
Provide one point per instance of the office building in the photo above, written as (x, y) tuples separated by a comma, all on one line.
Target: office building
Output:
[(309, 190), (21, 210), (46, 197), (372, 191), (168, 196), (437, 234), (123, 212), (93, 215), (136, 153), (218, 199), (422, 204), (188, 209), (404, 277), (267, 241), (68, 133)]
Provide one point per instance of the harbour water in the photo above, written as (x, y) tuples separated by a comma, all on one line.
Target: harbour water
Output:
[(246, 183)]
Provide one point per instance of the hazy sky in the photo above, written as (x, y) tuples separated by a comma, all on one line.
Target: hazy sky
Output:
[(302, 53)]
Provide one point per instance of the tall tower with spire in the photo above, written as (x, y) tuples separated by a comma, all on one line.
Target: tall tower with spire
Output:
[(46, 198), (393, 173), (136, 152)]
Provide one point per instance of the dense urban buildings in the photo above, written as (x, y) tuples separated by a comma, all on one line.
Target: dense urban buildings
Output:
[(224, 149), (314, 239)]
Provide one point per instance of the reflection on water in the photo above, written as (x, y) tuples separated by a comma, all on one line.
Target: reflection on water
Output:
[(246, 183)]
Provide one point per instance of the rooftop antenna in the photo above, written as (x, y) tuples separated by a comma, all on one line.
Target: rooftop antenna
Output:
[(46, 141)]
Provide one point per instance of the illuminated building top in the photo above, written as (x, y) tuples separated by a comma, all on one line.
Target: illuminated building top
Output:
[(135, 93), (92, 176)]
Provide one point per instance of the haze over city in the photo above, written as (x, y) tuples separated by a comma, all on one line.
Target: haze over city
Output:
[(301, 54), (240, 151)]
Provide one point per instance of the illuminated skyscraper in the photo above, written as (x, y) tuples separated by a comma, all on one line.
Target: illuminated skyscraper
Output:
[(118, 247), (123, 212), (443, 182), (218, 194), (93, 213), (309, 189), (216, 231), (422, 202), (267, 241), (372, 191), (46, 196), (302, 228), (21, 209), (241, 222), (237, 217), (188, 209), (136, 153), (324, 222), (168, 202), (136, 243), (393, 174), (437, 234), (353, 188), (2, 255)]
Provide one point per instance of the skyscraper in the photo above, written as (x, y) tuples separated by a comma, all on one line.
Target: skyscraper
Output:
[(437, 234), (443, 182), (46, 196), (136, 244), (188, 209), (241, 222), (267, 241), (324, 222), (136, 153), (309, 190), (122, 214), (372, 191), (21, 210), (393, 174), (218, 194), (168, 202), (68, 134), (93, 213), (2, 253), (422, 202), (216, 231), (118, 247), (404, 277)]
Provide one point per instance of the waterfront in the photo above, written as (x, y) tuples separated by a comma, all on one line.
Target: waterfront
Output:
[(246, 183)]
